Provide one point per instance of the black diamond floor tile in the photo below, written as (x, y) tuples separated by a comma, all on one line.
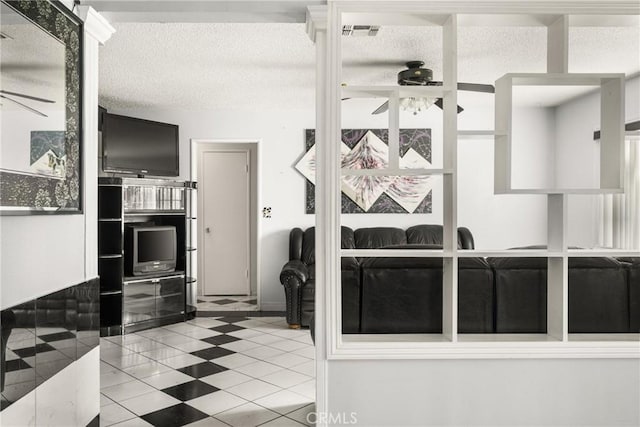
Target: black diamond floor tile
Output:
[(220, 339), (224, 301), (174, 416), (57, 336), (18, 364), (190, 390), (232, 319), (31, 351), (227, 328), (203, 369), (212, 353)]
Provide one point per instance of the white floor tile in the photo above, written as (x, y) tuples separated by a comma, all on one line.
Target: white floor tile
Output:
[(305, 339), (308, 352), (157, 333), (262, 352), (292, 333), (114, 378), (114, 413), (240, 345), (254, 389), (226, 379), (287, 360), (181, 361), (214, 403), (287, 345), (208, 422), (307, 368), (206, 322), (251, 323), (258, 369), (167, 379), (265, 339), (143, 345), (247, 415), (285, 378), (274, 319), (307, 389), (162, 353), (179, 340), (127, 390), (136, 422), (149, 402), (147, 369), (233, 361), (127, 360), (114, 352), (193, 345), (282, 422), (104, 400), (244, 333), (304, 415), (284, 401), (201, 333)]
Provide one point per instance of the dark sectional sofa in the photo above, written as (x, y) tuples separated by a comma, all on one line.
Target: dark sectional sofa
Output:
[(495, 295)]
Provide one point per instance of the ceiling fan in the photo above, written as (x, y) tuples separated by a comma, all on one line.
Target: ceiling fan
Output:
[(415, 75), (4, 93)]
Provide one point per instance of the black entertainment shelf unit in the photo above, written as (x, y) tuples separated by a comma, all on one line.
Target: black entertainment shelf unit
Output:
[(129, 302)]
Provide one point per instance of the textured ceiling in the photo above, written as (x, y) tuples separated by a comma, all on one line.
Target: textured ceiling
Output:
[(229, 65)]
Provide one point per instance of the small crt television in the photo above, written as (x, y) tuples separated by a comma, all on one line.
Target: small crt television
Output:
[(150, 249)]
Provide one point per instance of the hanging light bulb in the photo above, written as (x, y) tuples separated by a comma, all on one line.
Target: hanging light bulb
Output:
[(416, 105)]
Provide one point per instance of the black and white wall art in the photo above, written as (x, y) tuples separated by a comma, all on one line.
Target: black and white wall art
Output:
[(368, 149)]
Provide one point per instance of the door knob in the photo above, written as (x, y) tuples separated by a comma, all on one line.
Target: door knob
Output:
[(208, 230)]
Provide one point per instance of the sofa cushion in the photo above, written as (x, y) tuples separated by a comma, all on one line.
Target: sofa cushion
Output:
[(309, 243), (378, 237), (425, 234)]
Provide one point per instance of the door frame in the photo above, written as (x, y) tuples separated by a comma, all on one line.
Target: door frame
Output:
[(252, 146)]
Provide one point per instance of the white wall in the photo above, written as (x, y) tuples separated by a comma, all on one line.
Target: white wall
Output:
[(496, 221), (526, 392), (578, 156)]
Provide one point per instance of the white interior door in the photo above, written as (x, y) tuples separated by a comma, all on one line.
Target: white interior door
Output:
[(225, 224)]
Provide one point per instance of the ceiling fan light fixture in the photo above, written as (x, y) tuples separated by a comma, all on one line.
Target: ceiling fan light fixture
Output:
[(360, 30), (416, 105)]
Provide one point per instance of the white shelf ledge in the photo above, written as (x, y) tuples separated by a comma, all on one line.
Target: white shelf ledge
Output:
[(561, 191), (509, 253), (394, 172), (396, 253), (387, 91)]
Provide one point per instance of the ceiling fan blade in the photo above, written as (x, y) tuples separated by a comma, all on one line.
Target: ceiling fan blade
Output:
[(381, 109), (26, 107), (476, 87), (440, 105), (471, 87), (33, 98)]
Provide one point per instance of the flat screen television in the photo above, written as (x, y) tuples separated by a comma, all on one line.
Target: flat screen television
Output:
[(150, 249), (138, 146)]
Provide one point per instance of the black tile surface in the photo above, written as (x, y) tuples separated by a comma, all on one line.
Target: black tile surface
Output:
[(212, 353), (57, 336), (16, 365), (32, 351), (174, 416), (220, 339), (56, 315), (190, 390), (88, 297), (17, 325), (227, 328), (224, 301), (203, 369)]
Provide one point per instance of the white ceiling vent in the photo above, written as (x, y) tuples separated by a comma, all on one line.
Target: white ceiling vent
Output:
[(360, 30)]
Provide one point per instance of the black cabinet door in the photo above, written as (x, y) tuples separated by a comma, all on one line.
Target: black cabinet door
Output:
[(170, 294)]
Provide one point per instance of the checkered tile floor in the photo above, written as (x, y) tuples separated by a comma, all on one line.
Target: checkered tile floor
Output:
[(227, 303), (210, 371)]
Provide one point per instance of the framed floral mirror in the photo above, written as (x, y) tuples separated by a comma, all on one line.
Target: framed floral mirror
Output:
[(40, 108)]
